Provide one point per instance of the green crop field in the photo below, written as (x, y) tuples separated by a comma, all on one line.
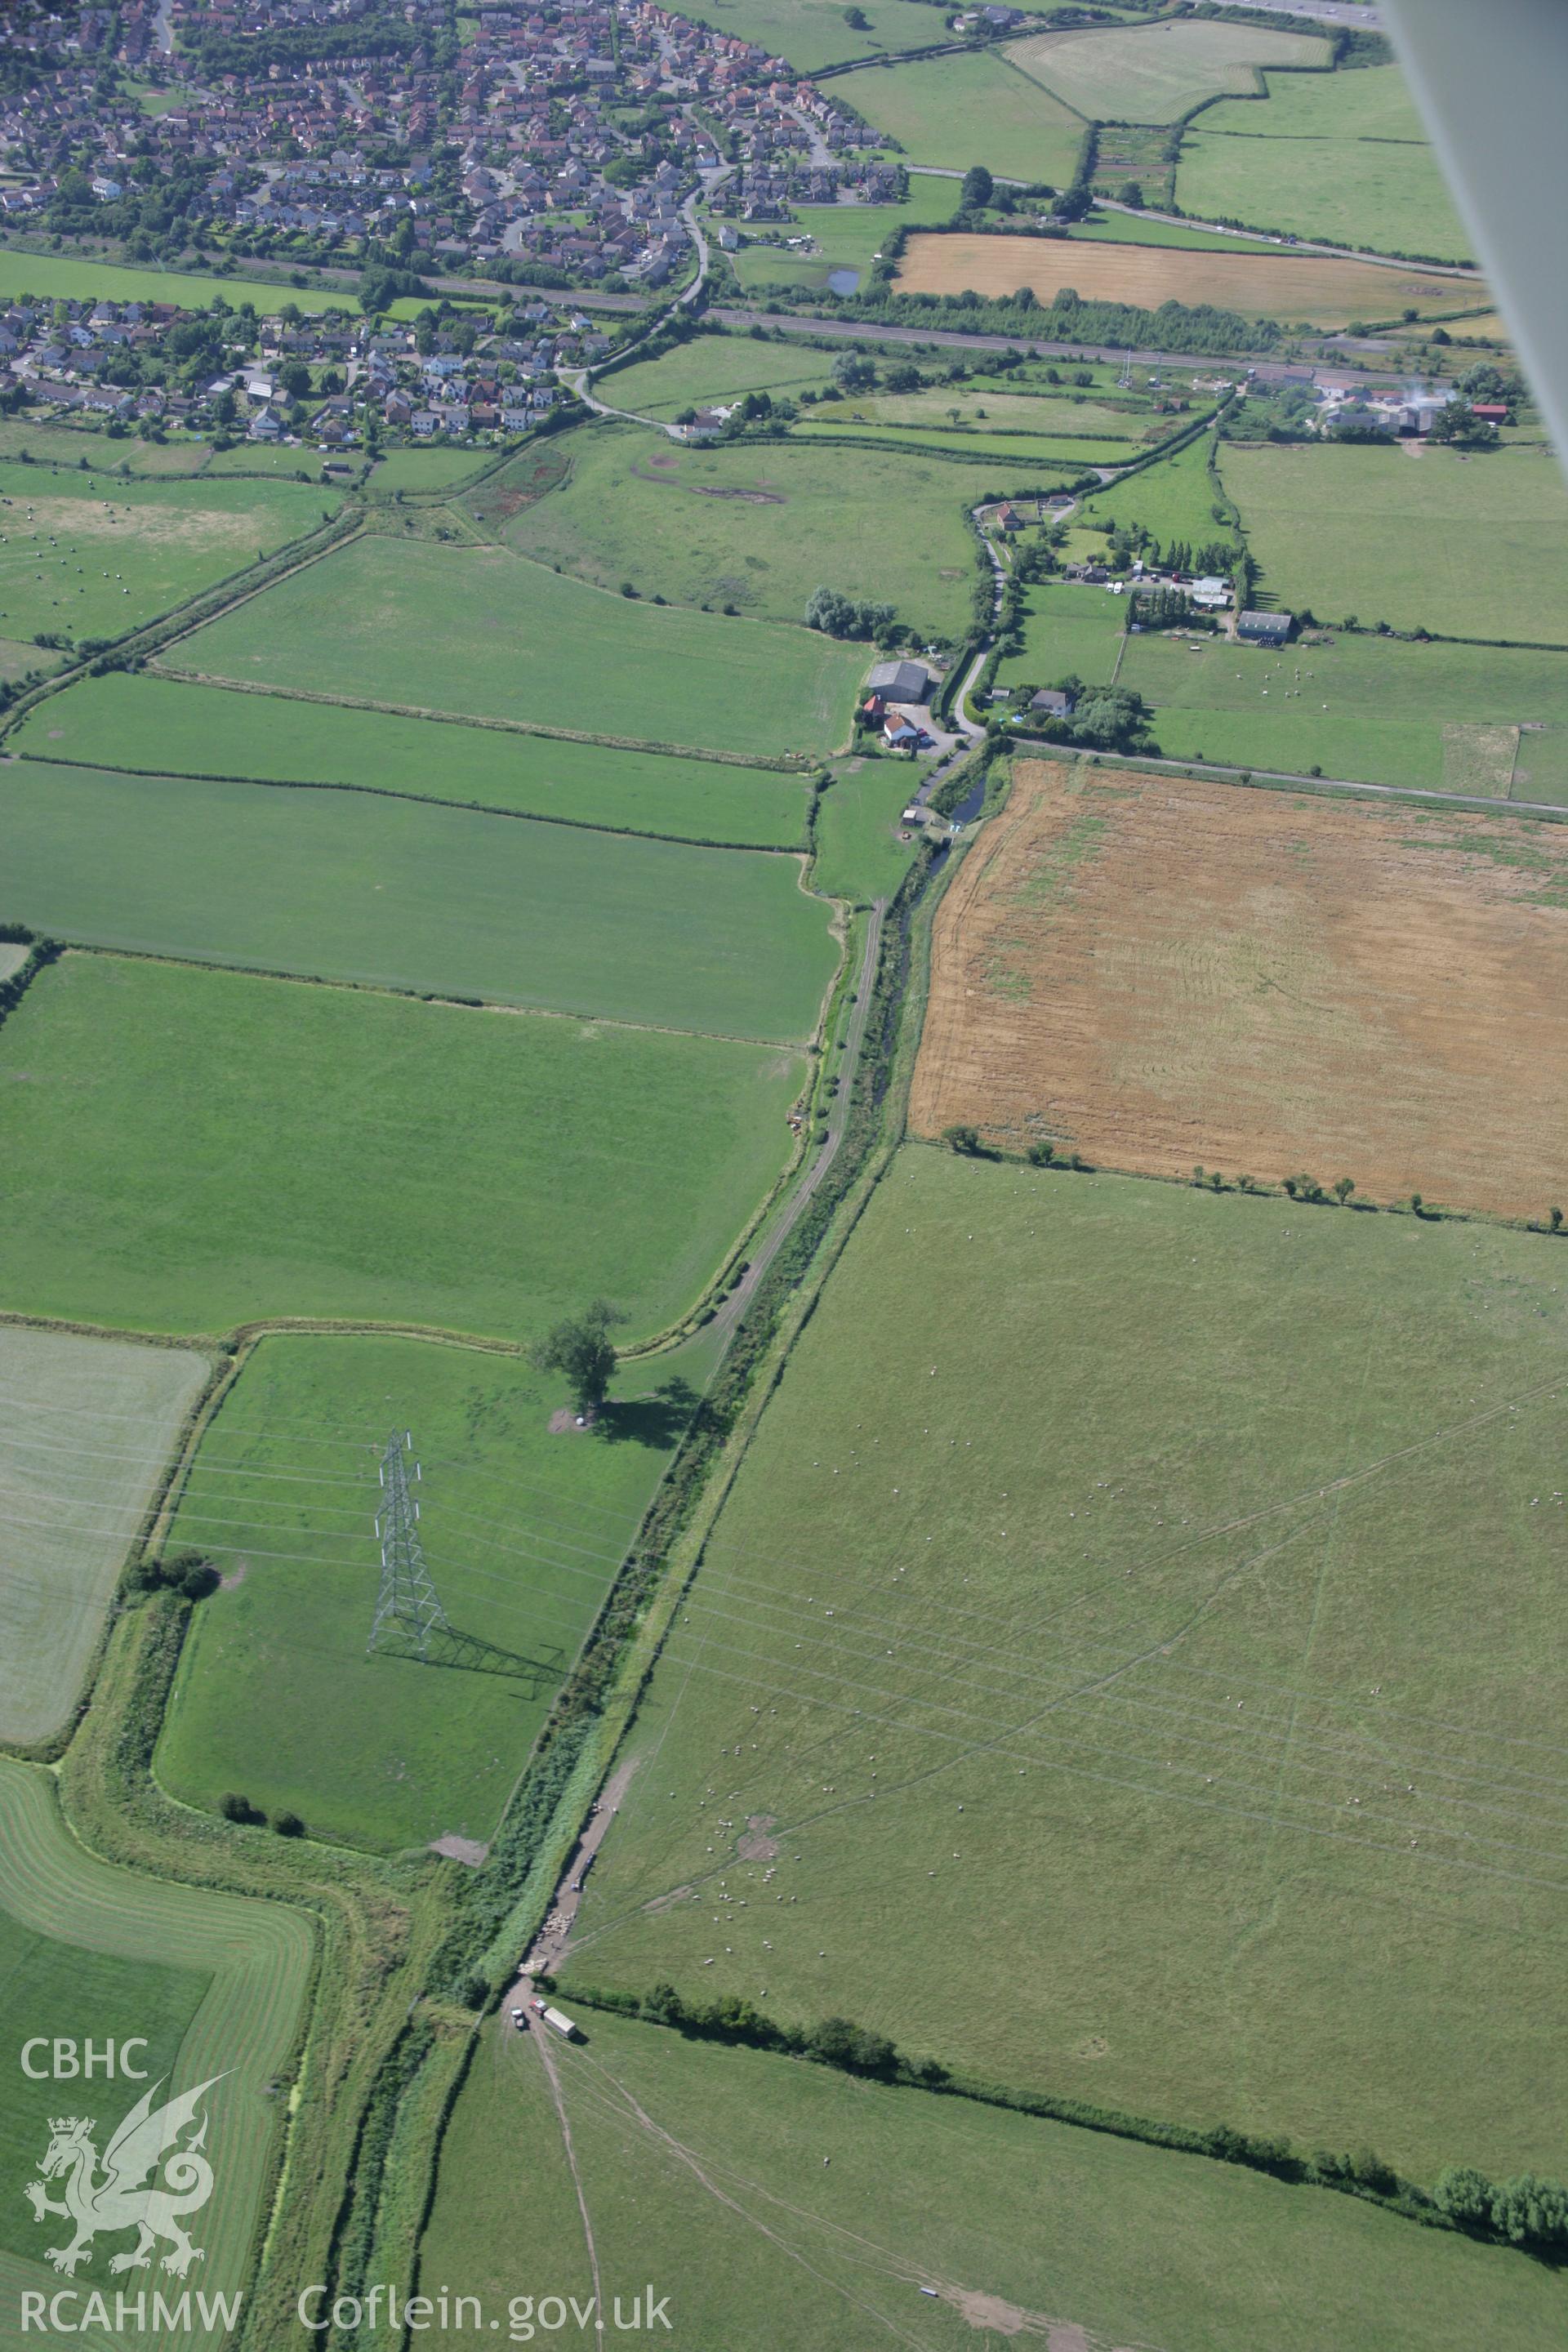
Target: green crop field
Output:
[(858, 852), (191, 1148), (761, 527), (51, 277), (1472, 547), (403, 894), (158, 725), (957, 110), (215, 1981), (442, 629), (1367, 707), (1060, 459), (847, 236), (1188, 1749), (813, 33), (426, 469), (277, 1696), (1158, 73), (712, 368), (87, 555), (1174, 500), (1067, 631), (703, 2168), (74, 1501), (1354, 167)]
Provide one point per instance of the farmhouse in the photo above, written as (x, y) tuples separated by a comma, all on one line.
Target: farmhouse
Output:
[(900, 681), (1053, 701), (1264, 628)]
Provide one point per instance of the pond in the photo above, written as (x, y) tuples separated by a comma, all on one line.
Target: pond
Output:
[(844, 281)]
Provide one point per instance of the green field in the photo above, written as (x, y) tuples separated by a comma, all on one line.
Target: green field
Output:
[(215, 1981), (858, 852), (74, 1502), (1158, 73), (54, 278), (1365, 708), (188, 1149), (935, 2221), (87, 555), (1354, 167), (713, 368), (402, 894), (1067, 631), (277, 1696), (1189, 1752), (847, 236), (1173, 498), (1139, 228), (159, 725), (1092, 430), (1048, 462), (957, 110), (74, 445), (19, 659), (813, 33), (442, 629), (762, 527), (426, 469), (1472, 547)]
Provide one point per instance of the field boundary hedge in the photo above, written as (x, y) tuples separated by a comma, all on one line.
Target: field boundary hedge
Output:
[(424, 800)]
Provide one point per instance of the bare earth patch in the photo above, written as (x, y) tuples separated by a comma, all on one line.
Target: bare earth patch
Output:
[(1305, 285), (757, 1845), (461, 1849), (1162, 974)]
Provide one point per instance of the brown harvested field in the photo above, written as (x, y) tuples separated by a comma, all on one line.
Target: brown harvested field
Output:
[(1161, 973), (1305, 286)]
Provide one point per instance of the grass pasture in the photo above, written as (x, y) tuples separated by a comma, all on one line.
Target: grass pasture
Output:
[(713, 368), (216, 1982), (445, 630), (761, 527), (523, 1530), (404, 894), (425, 469), (88, 555), (75, 1500), (858, 852), (813, 33), (1339, 156), (1067, 631), (1317, 289), (52, 277), (1468, 546), (69, 445), (957, 110), (1061, 459), (259, 1147), (156, 725), (1248, 1018), (1174, 500), (1372, 710), (702, 2167), (1186, 1754), (1158, 73)]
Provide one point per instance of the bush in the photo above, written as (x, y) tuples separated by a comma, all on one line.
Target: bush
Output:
[(289, 1825), (235, 1807), (961, 1137), (200, 1578)]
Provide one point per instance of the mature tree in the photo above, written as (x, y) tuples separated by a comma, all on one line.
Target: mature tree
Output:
[(582, 1351), (961, 1137), (1130, 192), (978, 188)]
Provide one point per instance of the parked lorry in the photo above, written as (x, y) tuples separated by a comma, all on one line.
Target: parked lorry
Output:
[(556, 2021)]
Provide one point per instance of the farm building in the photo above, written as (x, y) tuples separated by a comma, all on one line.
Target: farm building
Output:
[(900, 681), (1264, 628)]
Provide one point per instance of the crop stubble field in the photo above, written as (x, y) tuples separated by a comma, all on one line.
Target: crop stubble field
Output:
[(189, 1148), (1092, 1631), (1313, 288), (483, 631), (1291, 1004), (216, 1981), (155, 725), (87, 1427)]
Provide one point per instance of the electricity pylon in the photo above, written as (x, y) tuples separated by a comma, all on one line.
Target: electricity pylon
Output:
[(408, 1608)]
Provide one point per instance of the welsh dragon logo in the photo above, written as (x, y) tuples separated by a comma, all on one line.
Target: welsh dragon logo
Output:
[(120, 2196)]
